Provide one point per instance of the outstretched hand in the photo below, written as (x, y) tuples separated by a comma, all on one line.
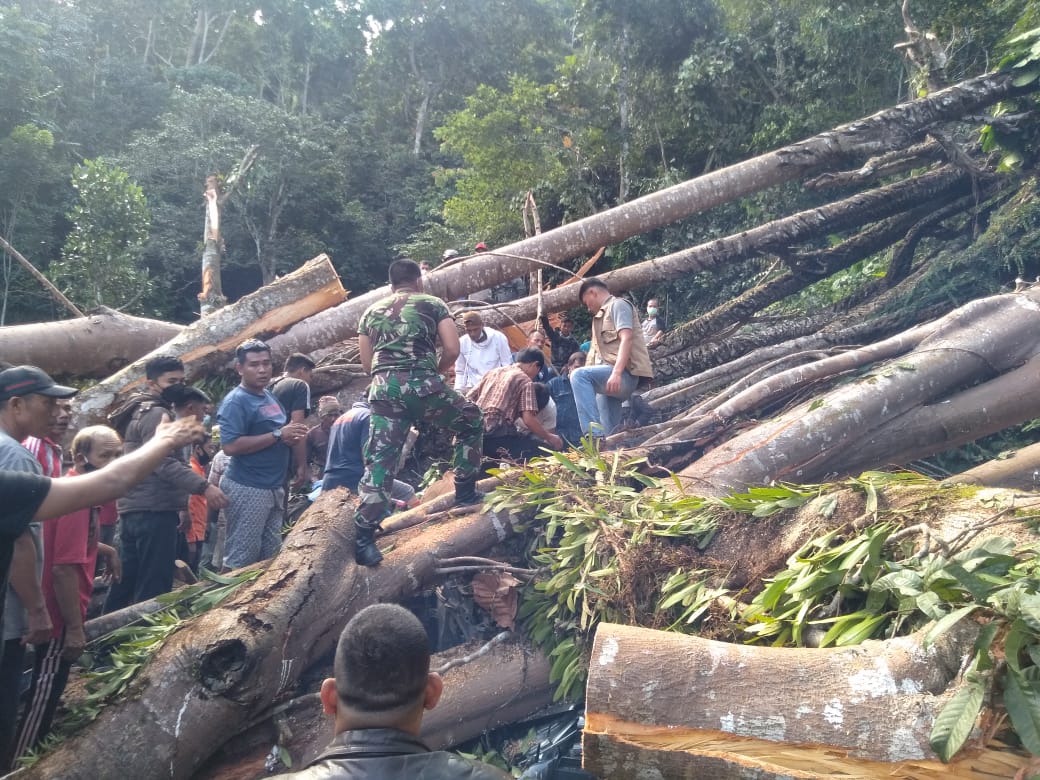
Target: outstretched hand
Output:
[(182, 432)]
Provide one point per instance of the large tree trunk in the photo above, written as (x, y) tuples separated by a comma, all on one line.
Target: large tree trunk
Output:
[(97, 345), (830, 434), (1020, 471), (231, 664), (892, 128), (661, 704), (207, 345), (504, 683)]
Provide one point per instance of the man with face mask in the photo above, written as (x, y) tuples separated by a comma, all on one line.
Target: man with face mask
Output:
[(653, 325), (149, 515)]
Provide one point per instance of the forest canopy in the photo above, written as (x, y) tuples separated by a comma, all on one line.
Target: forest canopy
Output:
[(411, 128)]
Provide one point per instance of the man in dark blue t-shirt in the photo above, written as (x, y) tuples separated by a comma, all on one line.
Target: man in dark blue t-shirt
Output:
[(345, 462), (256, 434)]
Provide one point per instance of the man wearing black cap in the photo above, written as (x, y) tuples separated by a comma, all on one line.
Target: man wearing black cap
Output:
[(28, 402)]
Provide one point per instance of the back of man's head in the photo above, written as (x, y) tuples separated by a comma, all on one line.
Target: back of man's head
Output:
[(297, 361), (404, 272), (531, 355), (382, 660), (162, 364)]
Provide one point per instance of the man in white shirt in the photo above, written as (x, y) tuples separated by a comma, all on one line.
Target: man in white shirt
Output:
[(480, 350)]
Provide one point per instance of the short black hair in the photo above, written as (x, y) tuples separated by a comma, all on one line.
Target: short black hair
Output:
[(578, 355), (250, 345), (382, 659), (541, 395), (531, 355), (162, 364), (404, 271), (588, 284), (298, 360), (182, 395)]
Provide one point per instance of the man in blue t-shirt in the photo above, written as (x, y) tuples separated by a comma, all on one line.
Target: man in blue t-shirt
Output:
[(256, 434), (345, 462)]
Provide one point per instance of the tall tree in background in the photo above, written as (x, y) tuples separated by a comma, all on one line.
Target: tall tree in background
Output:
[(101, 259)]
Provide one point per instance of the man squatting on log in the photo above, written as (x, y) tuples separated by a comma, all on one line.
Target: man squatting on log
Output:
[(618, 360), (397, 339), (382, 686)]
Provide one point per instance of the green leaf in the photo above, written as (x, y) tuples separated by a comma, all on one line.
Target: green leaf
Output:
[(945, 624), (955, 722), (860, 632), (1022, 700), (1029, 606), (872, 499), (1027, 77), (1018, 636)]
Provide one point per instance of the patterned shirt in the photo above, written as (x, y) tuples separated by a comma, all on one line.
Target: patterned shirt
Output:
[(402, 329), (47, 453), (504, 394)]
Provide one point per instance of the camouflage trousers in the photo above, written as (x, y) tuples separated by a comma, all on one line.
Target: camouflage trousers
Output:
[(388, 429)]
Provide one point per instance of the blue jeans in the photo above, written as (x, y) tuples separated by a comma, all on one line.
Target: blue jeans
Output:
[(595, 407)]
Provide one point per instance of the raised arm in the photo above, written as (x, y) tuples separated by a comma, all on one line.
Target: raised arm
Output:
[(67, 494)]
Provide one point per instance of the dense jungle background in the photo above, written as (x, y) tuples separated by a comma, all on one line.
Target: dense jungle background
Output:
[(403, 126)]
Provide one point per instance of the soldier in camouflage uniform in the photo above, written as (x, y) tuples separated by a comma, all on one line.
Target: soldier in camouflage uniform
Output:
[(397, 339)]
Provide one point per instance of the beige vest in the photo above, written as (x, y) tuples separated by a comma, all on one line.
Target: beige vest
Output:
[(606, 342)]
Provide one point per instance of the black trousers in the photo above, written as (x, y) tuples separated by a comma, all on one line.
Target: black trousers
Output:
[(148, 548), (12, 663)]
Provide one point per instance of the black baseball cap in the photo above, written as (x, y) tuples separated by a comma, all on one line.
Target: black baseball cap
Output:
[(26, 380)]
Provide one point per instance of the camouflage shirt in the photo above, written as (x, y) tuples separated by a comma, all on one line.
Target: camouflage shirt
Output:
[(402, 329)]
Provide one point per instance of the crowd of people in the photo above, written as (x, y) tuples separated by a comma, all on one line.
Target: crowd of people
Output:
[(161, 484)]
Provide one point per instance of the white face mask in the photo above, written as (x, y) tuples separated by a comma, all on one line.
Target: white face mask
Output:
[(652, 311)]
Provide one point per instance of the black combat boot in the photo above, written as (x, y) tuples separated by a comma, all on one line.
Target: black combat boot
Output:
[(365, 551), (466, 493)]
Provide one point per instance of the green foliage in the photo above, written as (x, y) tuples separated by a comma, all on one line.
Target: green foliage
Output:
[(601, 533), (100, 261), (510, 143), (596, 518), (605, 536)]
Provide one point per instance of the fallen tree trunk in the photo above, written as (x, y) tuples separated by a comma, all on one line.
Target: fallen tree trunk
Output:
[(660, 704), (1019, 471), (936, 187), (975, 342), (886, 130), (206, 346), (96, 345), (227, 667), (507, 683)]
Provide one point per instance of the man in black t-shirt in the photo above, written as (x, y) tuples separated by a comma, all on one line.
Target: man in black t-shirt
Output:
[(293, 391)]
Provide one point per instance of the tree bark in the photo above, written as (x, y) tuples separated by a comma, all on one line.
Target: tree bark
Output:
[(1019, 471), (976, 342), (96, 345), (889, 129), (207, 345), (228, 666), (506, 684), (661, 704)]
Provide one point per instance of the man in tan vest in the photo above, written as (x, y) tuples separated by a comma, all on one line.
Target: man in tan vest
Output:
[(617, 362)]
